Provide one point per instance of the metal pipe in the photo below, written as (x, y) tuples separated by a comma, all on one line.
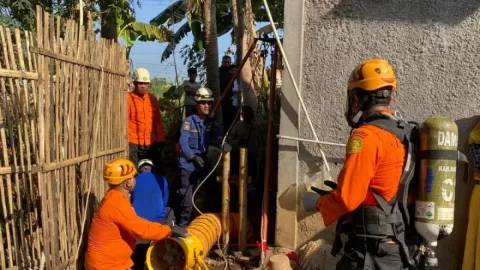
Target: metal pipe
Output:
[(269, 154), (235, 76), (242, 190), (226, 200), (307, 140)]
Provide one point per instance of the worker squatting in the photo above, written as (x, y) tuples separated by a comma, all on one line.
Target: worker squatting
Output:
[(370, 201)]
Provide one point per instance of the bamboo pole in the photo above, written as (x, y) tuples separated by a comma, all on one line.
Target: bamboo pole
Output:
[(243, 165), (226, 200)]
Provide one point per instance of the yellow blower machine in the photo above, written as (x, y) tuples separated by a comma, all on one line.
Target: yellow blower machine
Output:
[(188, 253)]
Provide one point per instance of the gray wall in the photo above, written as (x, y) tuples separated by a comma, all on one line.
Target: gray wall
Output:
[(435, 49)]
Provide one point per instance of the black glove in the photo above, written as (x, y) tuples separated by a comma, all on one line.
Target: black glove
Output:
[(327, 183), (177, 231), (227, 147), (330, 184), (198, 161)]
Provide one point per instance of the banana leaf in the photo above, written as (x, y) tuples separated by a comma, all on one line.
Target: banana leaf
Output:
[(173, 14), (179, 35)]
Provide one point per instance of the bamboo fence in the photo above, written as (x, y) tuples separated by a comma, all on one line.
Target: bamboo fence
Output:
[(62, 117)]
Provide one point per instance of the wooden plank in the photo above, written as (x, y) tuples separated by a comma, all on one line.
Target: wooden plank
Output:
[(4, 118), (22, 100), (17, 103), (18, 74), (57, 165), (72, 60), (7, 55), (34, 187), (74, 140), (41, 129), (47, 207), (29, 127)]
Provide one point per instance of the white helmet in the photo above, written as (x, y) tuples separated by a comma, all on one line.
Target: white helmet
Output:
[(145, 161), (141, 75), (203, 94)]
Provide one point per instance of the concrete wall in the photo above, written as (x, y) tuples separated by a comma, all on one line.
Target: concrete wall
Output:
[(435, 49)]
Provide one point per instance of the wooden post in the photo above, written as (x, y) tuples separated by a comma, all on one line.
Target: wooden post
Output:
[(242, 232), (226, 200)]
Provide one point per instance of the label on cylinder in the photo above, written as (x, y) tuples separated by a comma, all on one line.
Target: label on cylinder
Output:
[(425, 210)]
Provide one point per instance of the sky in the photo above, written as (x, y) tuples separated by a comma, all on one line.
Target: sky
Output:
[(148, 54)]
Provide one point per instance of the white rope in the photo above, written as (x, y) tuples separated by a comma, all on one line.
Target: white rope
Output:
[(307, 140), (267, 9)]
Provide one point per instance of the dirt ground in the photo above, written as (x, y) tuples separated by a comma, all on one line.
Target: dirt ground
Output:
[(236, 260)]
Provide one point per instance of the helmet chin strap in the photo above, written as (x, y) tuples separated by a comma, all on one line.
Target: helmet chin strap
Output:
[(357, 117)]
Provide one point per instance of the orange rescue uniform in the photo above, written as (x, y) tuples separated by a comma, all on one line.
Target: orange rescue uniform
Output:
[(111, 239), (374, 159), (144, 119)]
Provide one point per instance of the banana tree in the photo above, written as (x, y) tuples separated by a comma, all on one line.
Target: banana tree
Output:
[(190, 10), (130, 30)]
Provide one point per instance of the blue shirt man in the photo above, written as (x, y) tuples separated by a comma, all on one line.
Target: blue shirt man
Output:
[(198, 132), (150, 196), (195, 137)]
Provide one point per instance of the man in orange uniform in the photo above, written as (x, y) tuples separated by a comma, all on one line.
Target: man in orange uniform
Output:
[(145, 124), (115, 226), (370, 177)]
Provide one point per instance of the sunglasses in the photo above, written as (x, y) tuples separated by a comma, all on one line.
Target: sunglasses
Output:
[(206, 102)]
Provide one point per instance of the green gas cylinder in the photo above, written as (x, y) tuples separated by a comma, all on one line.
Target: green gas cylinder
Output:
[(435, 202)]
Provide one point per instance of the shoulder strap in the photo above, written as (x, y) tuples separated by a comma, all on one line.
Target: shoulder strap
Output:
[(403, 131)]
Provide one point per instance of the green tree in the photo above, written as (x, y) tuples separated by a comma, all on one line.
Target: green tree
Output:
[(22, 13), (191, 10), (196, 59), (160, 86)]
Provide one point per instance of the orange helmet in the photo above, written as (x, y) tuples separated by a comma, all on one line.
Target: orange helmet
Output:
[(372, 75), (118, 170)]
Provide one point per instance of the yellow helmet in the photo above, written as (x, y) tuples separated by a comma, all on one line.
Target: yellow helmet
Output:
[(372, 75), (141, 75), (118, 170), (203, 94)]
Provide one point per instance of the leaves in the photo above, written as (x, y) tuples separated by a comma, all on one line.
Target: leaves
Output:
[(149, 32), (192, 10), (268, 29), (224, 23), (173, 14), (194, 58), (181, 33), (197, 35)]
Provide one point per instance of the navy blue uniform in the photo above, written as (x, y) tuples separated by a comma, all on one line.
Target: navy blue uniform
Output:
[(195, 137)]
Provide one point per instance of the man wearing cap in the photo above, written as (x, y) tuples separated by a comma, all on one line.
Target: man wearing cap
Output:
[(198, 132), (115, 226), (145, 125)]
